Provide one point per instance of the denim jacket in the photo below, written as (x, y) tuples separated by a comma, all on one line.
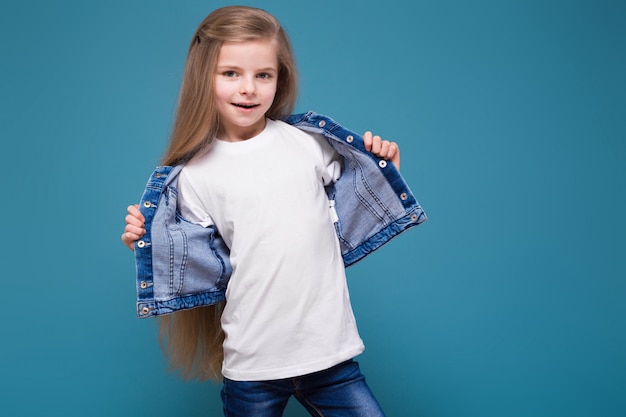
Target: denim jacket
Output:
[(181, 265)]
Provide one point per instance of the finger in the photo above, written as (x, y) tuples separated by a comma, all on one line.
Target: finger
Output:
[(376, 145), (393, 149), (132, 233), (134, 216), (128, 240), (130, 219), (131, 237), (384, 149), (367, 140), (134, 211), (135, 230), (394, 154)]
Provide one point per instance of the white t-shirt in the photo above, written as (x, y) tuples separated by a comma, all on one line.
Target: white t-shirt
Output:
[(288, 311)]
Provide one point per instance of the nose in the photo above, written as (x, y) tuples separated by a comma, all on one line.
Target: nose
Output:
[(247, 86)]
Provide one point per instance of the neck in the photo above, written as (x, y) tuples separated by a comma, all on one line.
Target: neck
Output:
[(240, 133)]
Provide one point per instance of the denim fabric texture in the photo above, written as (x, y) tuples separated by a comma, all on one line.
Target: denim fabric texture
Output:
[(340, 391), (181, 265)]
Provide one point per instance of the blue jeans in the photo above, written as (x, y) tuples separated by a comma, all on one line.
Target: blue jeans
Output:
[(339, 391)]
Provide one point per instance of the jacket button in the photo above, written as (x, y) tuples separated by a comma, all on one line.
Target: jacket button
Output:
[(141, 244), (147, 204), (414, 217), (321, 123), (382, 163), (145, 310), (143, 285), (349, 139), (403, 196)]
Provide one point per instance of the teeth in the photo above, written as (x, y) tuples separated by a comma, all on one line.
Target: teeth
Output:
[(245, 106)]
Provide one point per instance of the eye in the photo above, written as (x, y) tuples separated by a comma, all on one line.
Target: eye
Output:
[(229, 74), (264, 76)]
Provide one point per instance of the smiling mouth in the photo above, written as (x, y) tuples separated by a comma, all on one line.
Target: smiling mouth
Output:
[(245, 105)]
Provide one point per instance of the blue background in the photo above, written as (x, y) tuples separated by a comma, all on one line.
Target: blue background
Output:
[(511, 115)]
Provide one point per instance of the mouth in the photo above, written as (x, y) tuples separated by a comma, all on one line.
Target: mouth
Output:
[(245, 105)]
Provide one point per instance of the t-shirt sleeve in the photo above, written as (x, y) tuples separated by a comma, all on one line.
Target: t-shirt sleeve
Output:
[(189, 205)]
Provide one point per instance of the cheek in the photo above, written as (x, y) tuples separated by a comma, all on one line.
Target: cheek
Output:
[(222, 91), (270, 92)]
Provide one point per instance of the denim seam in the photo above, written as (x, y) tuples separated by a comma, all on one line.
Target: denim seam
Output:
[(342, 239), (302, 398), (183, 264), (219, 283), (171, 260)]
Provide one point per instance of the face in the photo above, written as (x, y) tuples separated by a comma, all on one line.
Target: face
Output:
[(245, 86)]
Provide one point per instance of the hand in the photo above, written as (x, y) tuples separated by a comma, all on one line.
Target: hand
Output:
[(134, 229), (382, 148)]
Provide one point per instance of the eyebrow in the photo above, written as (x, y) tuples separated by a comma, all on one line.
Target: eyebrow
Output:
[(236, 67)]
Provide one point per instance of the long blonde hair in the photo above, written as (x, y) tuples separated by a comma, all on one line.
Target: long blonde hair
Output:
[(192, 339)]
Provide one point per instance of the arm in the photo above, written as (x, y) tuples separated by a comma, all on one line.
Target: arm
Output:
[(134, 226), (382, 148)]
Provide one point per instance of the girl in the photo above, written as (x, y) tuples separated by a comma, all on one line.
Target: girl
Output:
[(265, 214)]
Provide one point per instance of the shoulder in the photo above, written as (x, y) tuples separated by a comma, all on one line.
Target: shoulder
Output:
[(296, 135), (288, 129), (315, 143), (292, 132)]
